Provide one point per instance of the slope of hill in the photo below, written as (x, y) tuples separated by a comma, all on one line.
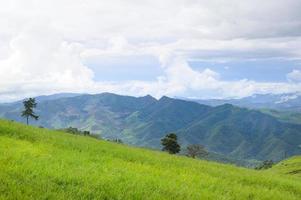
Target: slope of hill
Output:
[(226, 130), (37, 163), (291, 166), (245, 133), (285, 116)]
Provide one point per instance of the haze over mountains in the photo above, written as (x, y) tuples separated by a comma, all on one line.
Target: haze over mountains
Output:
[(284, 102), (142, 121)]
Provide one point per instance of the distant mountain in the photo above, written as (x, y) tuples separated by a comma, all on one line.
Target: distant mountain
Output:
[(45, 98), (226, 130), (284, 102), (285, 116), (56, 96)]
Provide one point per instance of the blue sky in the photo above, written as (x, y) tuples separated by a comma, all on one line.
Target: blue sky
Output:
[(126, 68), (148, 68), (189, 48), (272, 70)]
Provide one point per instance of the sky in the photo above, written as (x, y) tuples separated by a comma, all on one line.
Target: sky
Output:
[(184, 48)]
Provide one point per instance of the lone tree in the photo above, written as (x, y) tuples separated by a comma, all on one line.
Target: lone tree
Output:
[(29, 105), (196, 150), (170, 144)]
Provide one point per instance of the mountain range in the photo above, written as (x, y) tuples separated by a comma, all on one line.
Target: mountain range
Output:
[(282, 102), (225, 129)]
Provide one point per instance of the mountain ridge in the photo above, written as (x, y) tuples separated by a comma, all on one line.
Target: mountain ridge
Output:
[(282, 102)]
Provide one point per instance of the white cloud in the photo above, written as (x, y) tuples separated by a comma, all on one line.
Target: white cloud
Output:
[(43, 44), (181, 80), (40, 60), (294, 76)]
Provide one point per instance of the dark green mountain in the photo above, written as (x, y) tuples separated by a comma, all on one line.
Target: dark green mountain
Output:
[(285, 116), (226, 130)]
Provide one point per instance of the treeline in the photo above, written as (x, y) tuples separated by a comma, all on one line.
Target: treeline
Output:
[(75, 131)]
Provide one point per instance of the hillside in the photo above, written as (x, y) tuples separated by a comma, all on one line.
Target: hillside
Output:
[(38, 163), (226, 130), (291, 166), (285, 116)]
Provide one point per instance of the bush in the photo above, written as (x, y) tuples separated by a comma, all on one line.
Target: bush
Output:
[(75, 131), (196, 150), (117, 140), (265, 165)]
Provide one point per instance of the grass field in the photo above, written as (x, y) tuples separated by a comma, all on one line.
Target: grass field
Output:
[(38, 163), (291, 166)]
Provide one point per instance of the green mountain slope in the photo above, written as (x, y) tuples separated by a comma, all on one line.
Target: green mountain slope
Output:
[(286, 116), (226, 130), (37, 163), (244, 133)]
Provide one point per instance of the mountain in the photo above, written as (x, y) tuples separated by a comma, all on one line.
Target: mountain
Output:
[(285, 116), (47, 97), (37, 163), (283, 102), (227, 130), (56, 96)]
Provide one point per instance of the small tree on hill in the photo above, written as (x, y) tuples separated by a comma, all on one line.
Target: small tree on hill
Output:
[(86, 132), (170, 143), (196, 150), (265, 165), (29, 105)]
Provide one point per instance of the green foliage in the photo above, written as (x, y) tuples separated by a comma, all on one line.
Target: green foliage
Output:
[(116, 140), (41, 164), (170, 143), (291, 166), (265, 165), (73, 130), (196, 150), (29, 105)]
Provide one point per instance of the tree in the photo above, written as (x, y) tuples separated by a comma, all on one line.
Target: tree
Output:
[(265, 165), (75, 131), (86, 132), (170, 144), (29, 105), (117, 140), (194, 150)]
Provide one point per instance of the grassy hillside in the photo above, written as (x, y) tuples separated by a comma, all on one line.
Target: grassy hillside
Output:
[(42, 164), (291, 166)]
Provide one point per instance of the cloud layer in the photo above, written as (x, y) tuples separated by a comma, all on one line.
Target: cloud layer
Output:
[(44, 45)]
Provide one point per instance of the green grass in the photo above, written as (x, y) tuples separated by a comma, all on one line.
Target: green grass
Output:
[(42, 164), (291, 166)]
